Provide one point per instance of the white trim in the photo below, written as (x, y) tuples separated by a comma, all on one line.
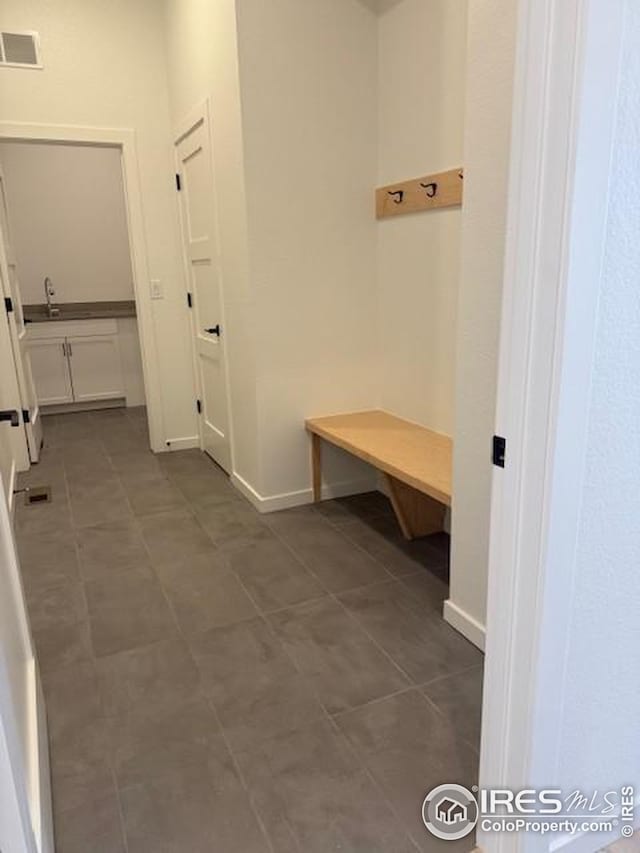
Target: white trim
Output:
[(11, 490), (125, 140), (36, 66), (185, 443), (287, 500), (463, 622), (564, 117)]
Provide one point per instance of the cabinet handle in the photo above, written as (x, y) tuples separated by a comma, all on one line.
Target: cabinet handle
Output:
[(69, 350), (64, 349)]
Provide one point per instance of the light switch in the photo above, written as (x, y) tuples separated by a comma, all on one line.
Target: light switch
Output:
[(156, 289)]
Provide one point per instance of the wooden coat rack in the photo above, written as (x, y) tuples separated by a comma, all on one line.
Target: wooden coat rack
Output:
[(444, 189)]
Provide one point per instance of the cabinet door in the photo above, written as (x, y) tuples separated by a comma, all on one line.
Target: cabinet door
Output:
[(96, 370), (50, 370)]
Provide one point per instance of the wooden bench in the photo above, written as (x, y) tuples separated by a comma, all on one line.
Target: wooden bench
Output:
[(416, 463)]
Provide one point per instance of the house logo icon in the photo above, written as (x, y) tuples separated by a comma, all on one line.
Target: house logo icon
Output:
[(450, 812)]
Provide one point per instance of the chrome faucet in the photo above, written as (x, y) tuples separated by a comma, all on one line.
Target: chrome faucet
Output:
[(52, 310)]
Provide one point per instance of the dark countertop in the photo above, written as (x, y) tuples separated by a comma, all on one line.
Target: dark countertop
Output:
[(80, 311)]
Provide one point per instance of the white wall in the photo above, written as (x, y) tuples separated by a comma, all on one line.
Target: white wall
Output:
[(489, 86), (68, 221), (421, 86), (104, 66), (295, 170), (598, 748), (202, 56), (308, 84)]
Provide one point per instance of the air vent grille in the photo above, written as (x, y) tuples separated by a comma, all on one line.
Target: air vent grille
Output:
[(20, 50)]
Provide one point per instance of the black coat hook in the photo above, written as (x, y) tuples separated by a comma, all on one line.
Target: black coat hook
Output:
[(431, 189), (399, 193)]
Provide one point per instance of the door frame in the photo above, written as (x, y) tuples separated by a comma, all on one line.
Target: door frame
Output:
[(31, 423), (565, 98), (201, 112), (123, 139)]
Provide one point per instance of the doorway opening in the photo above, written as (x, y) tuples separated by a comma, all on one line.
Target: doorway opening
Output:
[(67, 244), (81, 311)]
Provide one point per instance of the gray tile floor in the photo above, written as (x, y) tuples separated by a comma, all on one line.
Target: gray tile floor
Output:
[(222, 681)]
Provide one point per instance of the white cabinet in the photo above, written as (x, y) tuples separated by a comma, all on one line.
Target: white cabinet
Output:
[(96, 372), (76, 361), (50, 369)]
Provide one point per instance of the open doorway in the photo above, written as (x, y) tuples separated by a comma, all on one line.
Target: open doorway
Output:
[(70, 265), (74, 192)]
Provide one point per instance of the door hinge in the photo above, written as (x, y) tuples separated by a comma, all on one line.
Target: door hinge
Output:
[(199, 406), (189, 300), (8, 304), (178, 182), (26, 416), (499, 450)]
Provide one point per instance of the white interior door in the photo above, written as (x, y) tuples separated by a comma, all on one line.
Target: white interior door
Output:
[(25, 796), (197, 208), (14, 454), (30, 410)]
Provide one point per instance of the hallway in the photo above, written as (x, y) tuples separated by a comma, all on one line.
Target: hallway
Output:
[(221, 680)]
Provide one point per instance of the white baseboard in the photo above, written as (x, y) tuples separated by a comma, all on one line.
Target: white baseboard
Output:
[(187, 443), (287, 500), (469, 627)]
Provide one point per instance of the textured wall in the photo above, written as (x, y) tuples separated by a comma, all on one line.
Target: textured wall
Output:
[(603, 667)]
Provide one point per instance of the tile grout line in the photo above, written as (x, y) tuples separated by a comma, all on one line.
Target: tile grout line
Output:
[(207, 699), (325, 713), (264, 617), (238, 769), (75, 531), (410, 685), (363, 764), (349, 541), (210, 703), (93, 662), (451, 674), (350, 615)]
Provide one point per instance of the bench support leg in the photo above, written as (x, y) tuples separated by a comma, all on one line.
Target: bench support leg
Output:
[(316, 466), (417, 513)]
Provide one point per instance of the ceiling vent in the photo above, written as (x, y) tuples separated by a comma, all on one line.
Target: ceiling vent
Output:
[(20, 50)]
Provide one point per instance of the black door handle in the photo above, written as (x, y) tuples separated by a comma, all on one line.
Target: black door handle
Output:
[(214, 331), (10, 415)]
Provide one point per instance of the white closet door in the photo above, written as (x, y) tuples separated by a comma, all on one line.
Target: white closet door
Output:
[(96, 369), (197, 213), (11, 290)]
